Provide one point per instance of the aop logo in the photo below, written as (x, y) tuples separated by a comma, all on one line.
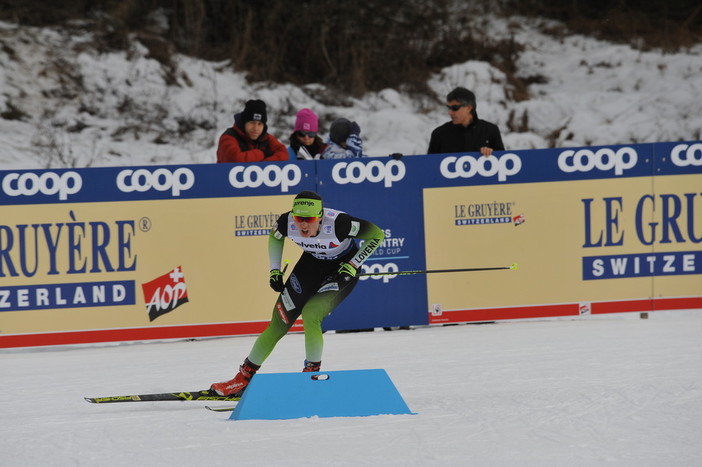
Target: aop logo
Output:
[(377, 268), (692, 155), (160, 180), (584, 160), (253, 176), (374, 172), (467, 166), (48, 183)]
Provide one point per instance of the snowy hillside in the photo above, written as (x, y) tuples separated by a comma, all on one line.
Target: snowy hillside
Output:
[(63, 104)]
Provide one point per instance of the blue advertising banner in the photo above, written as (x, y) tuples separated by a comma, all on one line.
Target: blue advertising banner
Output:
[(677, 158), (154, 182), (539, 165), (388, 193), (183, 248)]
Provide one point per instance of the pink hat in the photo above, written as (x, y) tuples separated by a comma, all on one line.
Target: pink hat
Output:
[(306, 120)]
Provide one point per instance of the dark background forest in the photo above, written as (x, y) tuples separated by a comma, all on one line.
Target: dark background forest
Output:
[(353, 46)]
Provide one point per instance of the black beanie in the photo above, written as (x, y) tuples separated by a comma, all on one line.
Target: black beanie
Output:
[(254, 110), (340, 130)]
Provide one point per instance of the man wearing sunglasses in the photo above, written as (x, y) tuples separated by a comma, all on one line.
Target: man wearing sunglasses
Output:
[(465, 132), (324, 275)]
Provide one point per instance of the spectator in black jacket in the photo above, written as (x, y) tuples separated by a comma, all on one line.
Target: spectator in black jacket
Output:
[(465, 132)]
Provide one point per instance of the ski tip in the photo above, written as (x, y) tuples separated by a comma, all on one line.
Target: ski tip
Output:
[(514, 266), (90, 399), (219, 409)]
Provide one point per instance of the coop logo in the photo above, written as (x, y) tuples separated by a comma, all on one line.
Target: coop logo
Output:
[(683, 155), (468, 166), (373, 172), (48, 183), (142, 180), (585, 160), (253, 176), (380, 271)]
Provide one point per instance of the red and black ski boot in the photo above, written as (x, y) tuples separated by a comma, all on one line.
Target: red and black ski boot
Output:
[(236, 385)]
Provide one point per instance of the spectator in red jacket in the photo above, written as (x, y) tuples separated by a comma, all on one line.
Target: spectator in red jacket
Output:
[(248, 139)]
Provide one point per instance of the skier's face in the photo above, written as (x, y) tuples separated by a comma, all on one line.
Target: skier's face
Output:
[(307, 226)]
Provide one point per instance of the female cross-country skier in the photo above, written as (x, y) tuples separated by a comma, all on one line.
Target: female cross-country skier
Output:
[(324, 275)]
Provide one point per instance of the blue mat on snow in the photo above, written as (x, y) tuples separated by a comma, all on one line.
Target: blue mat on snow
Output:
[(351, 393)]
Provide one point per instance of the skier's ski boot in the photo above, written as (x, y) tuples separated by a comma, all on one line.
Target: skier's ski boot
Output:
[(311, 366), (235, 387)]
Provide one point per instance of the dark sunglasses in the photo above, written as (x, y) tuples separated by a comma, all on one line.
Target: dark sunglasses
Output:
[(455, 107), (309, 134), (305, 219)]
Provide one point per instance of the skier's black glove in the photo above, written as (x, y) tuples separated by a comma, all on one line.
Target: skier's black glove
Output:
[(276, 280), (345, 273), (396, 155)]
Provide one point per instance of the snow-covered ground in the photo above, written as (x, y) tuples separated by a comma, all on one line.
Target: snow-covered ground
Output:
[(67, 105), (612, 390)]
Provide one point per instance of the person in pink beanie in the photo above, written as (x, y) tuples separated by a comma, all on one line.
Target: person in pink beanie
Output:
[(305, 143)]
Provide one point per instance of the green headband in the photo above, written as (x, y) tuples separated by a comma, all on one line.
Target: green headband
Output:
[(305, 207)]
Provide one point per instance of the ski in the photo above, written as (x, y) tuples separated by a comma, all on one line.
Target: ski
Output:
[(220, 409), (204, 395)]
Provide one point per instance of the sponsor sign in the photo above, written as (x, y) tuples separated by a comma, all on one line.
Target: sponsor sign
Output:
[(141, 180), (78, 267), (496, 212), (658, 225), (373, 171), (603, 159), (629, 243), (66, 295), (254, 223), (48, 184), (102, 253), (282, 178), (386, 192), (155, 183), (501, 166), (165, 293)]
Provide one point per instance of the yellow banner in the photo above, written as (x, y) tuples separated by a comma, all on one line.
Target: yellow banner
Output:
[(180, 262), (575, 241)]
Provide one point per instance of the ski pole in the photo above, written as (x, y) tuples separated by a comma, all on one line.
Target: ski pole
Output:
[(432, 271)]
